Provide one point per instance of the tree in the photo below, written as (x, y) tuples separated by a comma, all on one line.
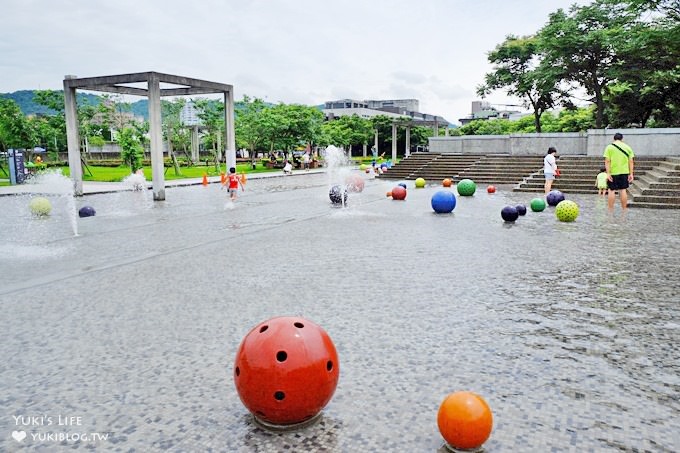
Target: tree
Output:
[(347, 131), (131, 150), (581, 47), (297, 124), (518, 70), (487, 127), (647, 85), (211, 114), (249, 131), (172, 128), (15, 130), (54, 100)]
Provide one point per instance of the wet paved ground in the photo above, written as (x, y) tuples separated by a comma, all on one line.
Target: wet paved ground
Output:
[(569, 331)]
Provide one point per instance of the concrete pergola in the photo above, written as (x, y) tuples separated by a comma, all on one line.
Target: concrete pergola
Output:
[(182, 86), (408, 124)]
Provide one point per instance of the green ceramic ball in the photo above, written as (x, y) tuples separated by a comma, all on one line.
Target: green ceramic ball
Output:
[(420, 183), (40, 206), (566, 211), (537, 204), (466, 187)]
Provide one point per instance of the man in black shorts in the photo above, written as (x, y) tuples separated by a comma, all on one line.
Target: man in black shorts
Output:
[(618, 162)]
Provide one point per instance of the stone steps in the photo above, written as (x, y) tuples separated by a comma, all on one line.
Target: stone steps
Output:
[(657, 179)]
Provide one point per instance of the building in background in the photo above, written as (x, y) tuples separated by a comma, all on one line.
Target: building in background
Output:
[(393, 108), (483, 110)]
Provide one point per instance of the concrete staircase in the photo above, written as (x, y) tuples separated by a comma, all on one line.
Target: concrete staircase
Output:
[(578, 176), (656, 184), (497, 169), (657, 187), (406, 168)]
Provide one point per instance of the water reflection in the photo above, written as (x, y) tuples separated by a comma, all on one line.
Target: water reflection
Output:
[(569, 331)]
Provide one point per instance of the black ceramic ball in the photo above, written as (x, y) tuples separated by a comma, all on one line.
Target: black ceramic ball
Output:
[(338, 195), (509, 213)]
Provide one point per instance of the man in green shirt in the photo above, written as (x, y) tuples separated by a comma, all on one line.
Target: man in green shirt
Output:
[(618, 162)]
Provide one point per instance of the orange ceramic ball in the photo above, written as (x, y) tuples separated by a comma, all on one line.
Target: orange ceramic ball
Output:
[(286, 370), (389, 193), (447, 182), (491, 189), (464, 420)]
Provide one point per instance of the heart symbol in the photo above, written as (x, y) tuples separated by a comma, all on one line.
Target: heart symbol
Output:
[(19, 435)]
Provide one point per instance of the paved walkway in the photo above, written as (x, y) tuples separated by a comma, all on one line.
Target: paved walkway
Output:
[(96, 187)]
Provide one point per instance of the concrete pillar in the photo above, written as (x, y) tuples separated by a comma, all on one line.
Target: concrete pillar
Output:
[(156, 134), (407, 151), (229, 135), (436, 129), (446, 131), (375, 141), (194, 144), (394, 143), (73, 138), (365, 149)]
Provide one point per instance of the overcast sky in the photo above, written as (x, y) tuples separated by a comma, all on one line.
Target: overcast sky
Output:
[(292, 51)]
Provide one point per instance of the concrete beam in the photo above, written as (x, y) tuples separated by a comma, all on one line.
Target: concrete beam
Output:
[(140, 77), (119, 89), (86, 82), (187, 91)]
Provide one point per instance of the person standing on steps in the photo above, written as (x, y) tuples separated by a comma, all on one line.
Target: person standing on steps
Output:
[(601, 182), (549, 168), (618, 163)]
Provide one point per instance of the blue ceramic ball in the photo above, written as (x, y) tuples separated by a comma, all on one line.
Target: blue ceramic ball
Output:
[(554, 197), (521, 209), (86, 211), (509, 213), (443, 202), (402, 184)]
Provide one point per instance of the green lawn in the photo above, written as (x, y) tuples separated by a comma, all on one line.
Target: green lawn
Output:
[(116, 174)]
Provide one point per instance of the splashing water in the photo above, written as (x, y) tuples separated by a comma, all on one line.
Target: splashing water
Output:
[(338, 165), (135, 181), (53, 182)]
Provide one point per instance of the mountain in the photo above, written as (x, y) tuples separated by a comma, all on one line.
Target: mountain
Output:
[(24, 99)]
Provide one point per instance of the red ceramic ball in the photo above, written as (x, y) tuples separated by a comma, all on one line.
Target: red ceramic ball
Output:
[(491, 189), (286, 370), (398, 193), (447, 182), (465, 420)]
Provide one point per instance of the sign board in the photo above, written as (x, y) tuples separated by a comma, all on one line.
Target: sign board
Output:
[(17, 169)]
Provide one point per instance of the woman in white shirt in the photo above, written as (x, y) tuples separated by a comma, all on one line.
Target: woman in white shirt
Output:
[(549, 168)]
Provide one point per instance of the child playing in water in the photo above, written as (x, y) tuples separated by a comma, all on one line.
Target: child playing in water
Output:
[(602, 182), (234, 182)]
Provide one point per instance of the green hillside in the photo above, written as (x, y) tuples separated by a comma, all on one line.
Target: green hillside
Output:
[(24, 99)]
